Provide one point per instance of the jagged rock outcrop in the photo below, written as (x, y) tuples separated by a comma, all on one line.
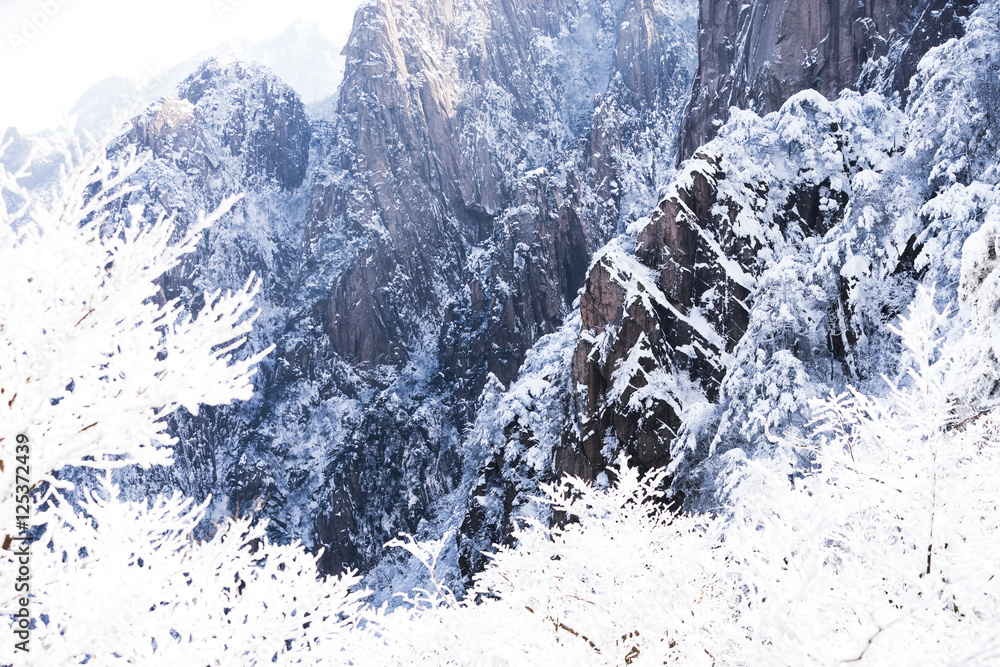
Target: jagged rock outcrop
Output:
[(233, 129), (237, 113), (263, 123), (677, 304), (479, 154)]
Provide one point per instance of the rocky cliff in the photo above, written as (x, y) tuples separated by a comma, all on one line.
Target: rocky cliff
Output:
[(755, 55), (483, 271), (480, 154), (414, 247), (663, 317), (231, 129)]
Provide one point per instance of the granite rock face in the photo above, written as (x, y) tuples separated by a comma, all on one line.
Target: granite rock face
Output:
[(263, 123), (674, 299), (939, 21), (232, 129), (465, 286), (456, 115), (480, 152), (755, 55), (676, 304)]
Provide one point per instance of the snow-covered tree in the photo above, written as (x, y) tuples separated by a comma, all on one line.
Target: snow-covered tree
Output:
[(93, 358), (872, 540), (121, 582), (92, 361), (622, 582), (883, 550)]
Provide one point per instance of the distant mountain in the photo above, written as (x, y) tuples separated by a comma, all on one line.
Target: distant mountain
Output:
[(302, 56)]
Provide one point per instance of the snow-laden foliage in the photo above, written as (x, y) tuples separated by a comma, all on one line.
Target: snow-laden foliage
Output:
[(880, 551), (94, 359), (119, 582), (803, 188), (616, 585)]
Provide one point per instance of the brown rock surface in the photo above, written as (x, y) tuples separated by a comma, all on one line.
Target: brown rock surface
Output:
[(651, 307), (755, 55), (752, 55), (479, 155)]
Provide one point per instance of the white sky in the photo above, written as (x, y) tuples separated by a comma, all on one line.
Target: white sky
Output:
[(52, 51)]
